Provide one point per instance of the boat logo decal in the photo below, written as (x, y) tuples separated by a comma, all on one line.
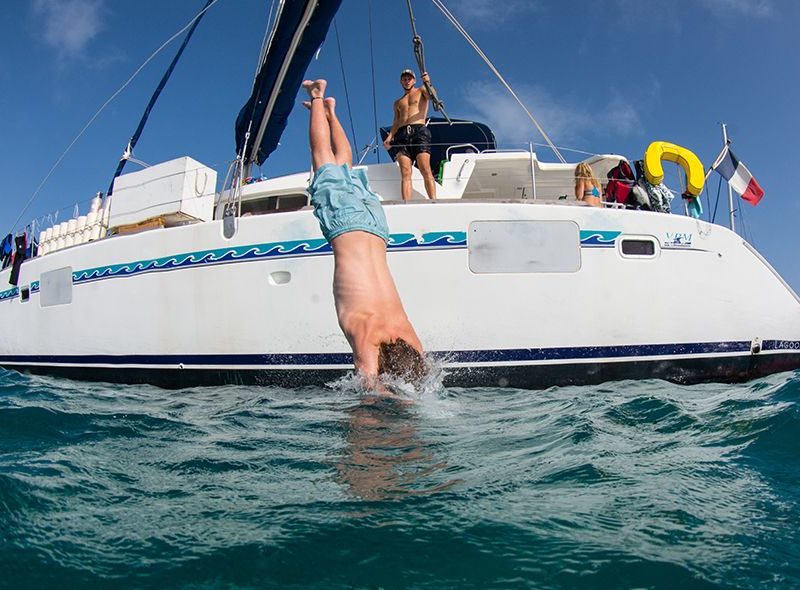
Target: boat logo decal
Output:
[(678, 240)]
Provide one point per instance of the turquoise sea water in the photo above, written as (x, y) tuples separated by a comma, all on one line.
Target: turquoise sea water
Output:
[(624, 485)]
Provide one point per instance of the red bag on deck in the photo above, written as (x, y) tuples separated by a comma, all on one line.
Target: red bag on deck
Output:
[(620, 183)]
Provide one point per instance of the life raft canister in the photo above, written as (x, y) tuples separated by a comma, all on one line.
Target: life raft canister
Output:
[(663, 150)]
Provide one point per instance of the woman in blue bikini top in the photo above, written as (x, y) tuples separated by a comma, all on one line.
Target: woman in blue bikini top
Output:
[(587, 187)]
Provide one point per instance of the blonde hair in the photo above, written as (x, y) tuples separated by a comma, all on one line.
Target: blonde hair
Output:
[(584, 172)]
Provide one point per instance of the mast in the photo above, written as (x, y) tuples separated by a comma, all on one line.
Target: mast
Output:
[(730, 190), (298, 35), (299, 30)]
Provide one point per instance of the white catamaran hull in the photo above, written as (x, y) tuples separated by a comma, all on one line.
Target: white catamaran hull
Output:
[(503, 293)]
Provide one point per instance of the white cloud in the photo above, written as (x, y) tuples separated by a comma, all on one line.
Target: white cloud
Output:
[(490, 13), (670, 15), (68, 25), (633, 13), (562, 120), (760, 8)]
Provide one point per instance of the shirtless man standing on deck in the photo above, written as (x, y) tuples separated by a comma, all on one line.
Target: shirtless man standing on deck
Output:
[(351, 217), (410, 140)]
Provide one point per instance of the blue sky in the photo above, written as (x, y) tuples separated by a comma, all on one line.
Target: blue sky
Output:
[(600, 75)]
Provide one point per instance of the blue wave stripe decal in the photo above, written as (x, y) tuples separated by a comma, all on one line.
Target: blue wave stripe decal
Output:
[(439, 238), (430, 241), (465, 356), (287, 249), (291, 249), (9, 293), (401, 241), (598, 239)]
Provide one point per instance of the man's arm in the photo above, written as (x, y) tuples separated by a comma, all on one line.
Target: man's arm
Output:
[(387, 143), (427, 79)]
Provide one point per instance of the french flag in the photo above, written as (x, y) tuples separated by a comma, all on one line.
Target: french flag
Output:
[(739, 177)]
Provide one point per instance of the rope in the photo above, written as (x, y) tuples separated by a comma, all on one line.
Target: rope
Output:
[(440, 5), (372, 66), (161, 85), (265, 41), (716, 203), (419, 55), (100, 110), (366, 149), (269, 34), (344, 80), (745, 231)]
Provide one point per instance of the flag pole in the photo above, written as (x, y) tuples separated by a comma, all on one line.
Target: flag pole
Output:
[(730, 190)]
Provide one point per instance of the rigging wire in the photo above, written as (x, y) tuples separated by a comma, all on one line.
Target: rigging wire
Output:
[(366, 149), (269, 34), (372, 66), (708, 201), (264, 41), (104, 105), (419, 55), (716, 203), (440, 5), (127, 154), (745, 230), (344, 80)]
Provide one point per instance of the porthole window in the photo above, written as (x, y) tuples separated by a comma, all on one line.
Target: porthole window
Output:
[(638, 247)]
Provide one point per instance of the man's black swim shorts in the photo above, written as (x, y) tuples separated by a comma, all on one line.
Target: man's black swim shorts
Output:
[(411, 140)]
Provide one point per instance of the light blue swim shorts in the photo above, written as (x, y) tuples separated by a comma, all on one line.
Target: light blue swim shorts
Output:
[(343, 202)]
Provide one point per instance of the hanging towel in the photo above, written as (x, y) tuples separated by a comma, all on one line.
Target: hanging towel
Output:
[(19, 256), (6, 248)]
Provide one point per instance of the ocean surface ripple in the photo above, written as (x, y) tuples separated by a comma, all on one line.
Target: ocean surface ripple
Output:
[(641, 484)]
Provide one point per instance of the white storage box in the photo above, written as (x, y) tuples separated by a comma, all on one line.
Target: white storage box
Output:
[(181, 188)]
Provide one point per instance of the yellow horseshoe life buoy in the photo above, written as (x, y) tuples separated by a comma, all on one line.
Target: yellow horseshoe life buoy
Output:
[(663, 150)]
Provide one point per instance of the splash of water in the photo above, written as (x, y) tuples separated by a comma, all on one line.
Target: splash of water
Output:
[(430, 386)]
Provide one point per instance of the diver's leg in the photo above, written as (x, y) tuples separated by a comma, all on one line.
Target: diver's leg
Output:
[(341, 145), (319, 133)]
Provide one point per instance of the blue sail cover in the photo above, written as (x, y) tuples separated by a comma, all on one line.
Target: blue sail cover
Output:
[(302, 25)]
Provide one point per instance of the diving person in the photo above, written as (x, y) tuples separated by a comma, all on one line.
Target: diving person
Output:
[(351, 217)]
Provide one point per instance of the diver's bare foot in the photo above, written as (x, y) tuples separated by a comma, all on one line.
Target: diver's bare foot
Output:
[(330, 103), (307, 104), (315, 88)]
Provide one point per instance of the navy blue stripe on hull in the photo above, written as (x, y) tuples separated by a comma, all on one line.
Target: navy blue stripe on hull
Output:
[(599, 353), (683, 371)]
